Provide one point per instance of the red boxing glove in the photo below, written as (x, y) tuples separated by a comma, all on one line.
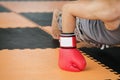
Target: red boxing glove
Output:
[(70, 58)]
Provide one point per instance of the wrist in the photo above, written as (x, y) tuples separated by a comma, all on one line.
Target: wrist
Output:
[(67, 40)]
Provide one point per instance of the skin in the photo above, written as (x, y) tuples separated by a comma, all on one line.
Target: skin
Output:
[(55, 31), (107, 11)]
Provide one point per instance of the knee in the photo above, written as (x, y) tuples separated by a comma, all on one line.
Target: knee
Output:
[(66, 8)]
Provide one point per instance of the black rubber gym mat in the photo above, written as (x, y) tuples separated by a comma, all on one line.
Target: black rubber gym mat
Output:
[(3, 9), (110, 57), (43, 19), (20, 38)]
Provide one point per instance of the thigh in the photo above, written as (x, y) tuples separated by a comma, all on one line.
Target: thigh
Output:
[(81, 9)]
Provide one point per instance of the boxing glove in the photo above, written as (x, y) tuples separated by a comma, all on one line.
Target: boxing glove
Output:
[(70, 58)]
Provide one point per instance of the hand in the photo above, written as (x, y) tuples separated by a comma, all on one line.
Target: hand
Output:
[(71, 60)]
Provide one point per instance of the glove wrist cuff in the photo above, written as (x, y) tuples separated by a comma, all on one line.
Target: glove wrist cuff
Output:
[(67, 40)]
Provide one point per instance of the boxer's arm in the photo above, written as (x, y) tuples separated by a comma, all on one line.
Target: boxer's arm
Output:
[(82, 9)]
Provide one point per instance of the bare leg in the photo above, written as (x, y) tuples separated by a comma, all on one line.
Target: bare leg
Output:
[(55, 30), (69, 13)]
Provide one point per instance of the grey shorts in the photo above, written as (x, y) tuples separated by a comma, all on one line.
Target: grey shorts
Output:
[(93, 32)]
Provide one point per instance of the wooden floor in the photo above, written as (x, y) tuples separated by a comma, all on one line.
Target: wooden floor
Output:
[(38, 63)]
